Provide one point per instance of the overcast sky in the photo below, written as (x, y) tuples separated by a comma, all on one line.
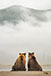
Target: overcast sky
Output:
[(36, 4), (25, 37)]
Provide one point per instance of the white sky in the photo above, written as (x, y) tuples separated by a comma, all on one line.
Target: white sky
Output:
[(36, 4), (28, 38)]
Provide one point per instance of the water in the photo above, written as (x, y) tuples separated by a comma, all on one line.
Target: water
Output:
[(5, 68), (46, 68), (8, 68)]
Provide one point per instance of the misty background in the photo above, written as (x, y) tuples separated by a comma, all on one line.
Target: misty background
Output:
[(24, 29)]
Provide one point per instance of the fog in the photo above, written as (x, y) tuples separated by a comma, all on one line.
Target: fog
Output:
[(31, 33)]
